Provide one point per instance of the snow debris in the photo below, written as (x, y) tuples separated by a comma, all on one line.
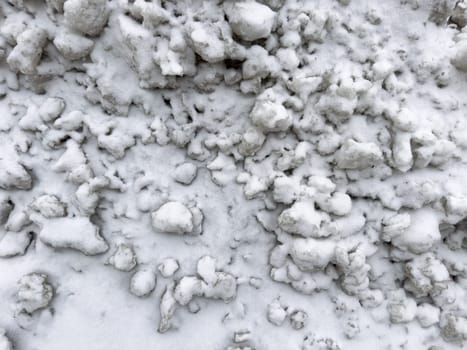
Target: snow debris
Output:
[(49, 206), (173, 217), (298, 319), (311, 254), (51, 109), (321, 145), (210, 284), (454, 328), (277, 313), (73, 46), (168, 306), (311, 342), (124, 258), (27, 53), (250, 20), (427, 315), (13, 175), (143, 282), (425, 275), (168, 267), (302, 219), (269, 114), (185, 173), (34, 292), (87, 16), (358, 155), (72, 232), (401, 308)]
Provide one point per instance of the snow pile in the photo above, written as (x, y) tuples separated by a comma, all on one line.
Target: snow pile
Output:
[(256, 163)]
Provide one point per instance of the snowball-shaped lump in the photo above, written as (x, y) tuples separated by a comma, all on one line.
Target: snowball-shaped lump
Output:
[(270, 116), (143, 282), (87, 16), (173, 217), (34, 292), (358, 155), (250, 20), (185, 173)]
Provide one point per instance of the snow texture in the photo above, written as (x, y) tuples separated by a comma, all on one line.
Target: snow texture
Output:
[(252, 174)]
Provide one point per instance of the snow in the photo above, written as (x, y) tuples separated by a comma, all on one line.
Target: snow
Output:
[(173, 217), (34, 292), (75, 233), (254, 174), (251, 20)]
